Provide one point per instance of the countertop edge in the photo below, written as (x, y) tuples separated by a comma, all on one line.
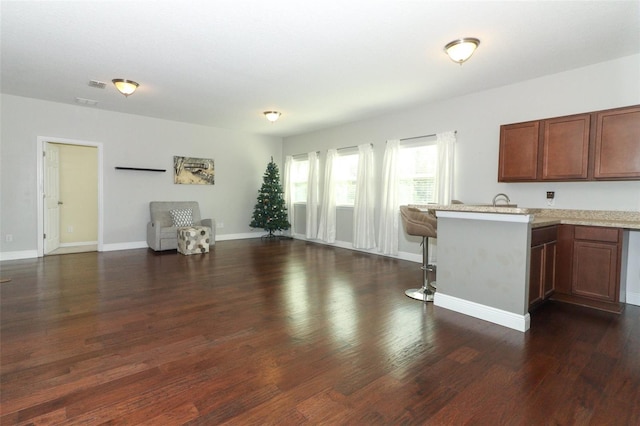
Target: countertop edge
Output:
[(545, 217)]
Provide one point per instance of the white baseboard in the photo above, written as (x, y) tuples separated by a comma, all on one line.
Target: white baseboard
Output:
[(83, 243), (243, 236), (143, 244), (411, 257), (16, 255), (633, 298), (124, 246), (483, 312)]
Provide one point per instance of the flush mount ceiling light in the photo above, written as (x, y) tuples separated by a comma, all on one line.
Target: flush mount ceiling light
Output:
[(126, 87), (460, 50), (272, 116)]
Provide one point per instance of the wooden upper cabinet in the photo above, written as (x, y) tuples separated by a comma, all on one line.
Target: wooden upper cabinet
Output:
[(518, 160), (617, 144), (601, 145), (565, 147)]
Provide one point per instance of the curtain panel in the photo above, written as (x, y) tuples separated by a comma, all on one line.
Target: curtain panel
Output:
[(389, 210), (327, 227), (364, 234), (445, 143), (312, 196), (288, 191)]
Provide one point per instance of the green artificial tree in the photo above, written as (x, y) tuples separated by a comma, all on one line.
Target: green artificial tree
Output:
[(270, 212)]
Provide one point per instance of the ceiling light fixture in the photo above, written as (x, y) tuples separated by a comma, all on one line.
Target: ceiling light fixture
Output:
[(272, 116), (126, 87), (460, 50)]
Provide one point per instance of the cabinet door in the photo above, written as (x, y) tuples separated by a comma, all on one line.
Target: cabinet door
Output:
[(595, 270), (564, 259), (536, 275), (565, 147), (549, 270), (617, 144), (519, 152)]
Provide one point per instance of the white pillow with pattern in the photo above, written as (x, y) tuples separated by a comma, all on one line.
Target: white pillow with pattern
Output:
[(181, 217)]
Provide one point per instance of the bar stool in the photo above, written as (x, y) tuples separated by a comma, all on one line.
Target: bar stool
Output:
[(425, 225)]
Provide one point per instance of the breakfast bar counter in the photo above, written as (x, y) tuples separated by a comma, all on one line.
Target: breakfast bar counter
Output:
[(484, 255)]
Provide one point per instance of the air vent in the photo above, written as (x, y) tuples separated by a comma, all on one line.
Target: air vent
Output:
[(97, 84), (87, 102)]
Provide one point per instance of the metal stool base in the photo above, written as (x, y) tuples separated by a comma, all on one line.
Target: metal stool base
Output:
[(420, 294), (428, 290)]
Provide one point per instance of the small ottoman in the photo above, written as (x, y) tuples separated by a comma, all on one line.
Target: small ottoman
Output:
[(193, 239)]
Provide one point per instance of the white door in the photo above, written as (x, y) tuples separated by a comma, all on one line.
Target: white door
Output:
[(51, 198)]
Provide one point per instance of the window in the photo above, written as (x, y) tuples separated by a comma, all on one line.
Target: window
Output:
[(299, 178), (417, 170), (345, 174)]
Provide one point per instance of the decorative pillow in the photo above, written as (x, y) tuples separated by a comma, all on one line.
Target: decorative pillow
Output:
[(182, 217)]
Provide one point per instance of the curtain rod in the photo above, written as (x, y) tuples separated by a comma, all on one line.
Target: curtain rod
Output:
[(304, 153), (423, 136), (350, 147)]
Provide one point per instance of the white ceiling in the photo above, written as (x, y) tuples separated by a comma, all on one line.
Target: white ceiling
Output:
[(321, 63)]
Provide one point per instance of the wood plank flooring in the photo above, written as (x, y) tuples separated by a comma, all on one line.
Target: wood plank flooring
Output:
[(289, 333)]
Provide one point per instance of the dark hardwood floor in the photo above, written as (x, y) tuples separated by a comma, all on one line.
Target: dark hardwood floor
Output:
[(289, 333)]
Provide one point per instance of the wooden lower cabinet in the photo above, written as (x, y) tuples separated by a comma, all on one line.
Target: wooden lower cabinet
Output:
[(535, 276), (588, 266), (595, 272), (549, 283), (542, 264)]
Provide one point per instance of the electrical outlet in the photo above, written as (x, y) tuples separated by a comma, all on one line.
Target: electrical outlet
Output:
[(9, 238), (70, 229), (551, 195), (219, 224)]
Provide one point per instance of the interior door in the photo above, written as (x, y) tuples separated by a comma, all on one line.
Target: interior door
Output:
[(51, 198)]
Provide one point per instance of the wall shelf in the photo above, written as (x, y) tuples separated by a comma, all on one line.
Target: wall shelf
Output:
[(140, 169)]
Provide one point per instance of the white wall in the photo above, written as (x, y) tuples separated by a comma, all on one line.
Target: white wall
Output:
[(132, 141), (633, 269), (477, 118)]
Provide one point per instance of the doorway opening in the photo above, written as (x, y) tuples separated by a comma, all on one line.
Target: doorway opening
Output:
[(70, 196)]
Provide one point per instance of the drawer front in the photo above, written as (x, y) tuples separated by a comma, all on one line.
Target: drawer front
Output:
[(544, 235), (597, 233)]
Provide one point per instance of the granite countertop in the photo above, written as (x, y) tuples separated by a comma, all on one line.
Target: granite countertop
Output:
[(547, 217), (607, 218)]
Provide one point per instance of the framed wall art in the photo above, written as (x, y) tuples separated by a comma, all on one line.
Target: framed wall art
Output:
[(193, 171)]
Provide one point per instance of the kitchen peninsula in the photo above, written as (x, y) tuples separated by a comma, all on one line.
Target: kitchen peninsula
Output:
[(486, 261)]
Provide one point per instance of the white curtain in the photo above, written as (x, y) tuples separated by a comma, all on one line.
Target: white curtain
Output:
[(444, 177), (288, 191), (312, 196), (364, 234), (327, 227), (389, 214)]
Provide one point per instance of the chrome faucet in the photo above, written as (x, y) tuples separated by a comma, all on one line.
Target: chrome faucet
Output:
[(500, 195)]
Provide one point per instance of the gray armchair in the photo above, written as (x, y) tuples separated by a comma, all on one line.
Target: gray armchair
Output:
[(161, 234)]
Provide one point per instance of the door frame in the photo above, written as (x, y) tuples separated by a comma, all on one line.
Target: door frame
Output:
[(42, 140), (51, 193)]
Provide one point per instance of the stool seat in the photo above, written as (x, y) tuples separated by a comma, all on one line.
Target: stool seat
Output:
[(419, 223), (425, 225), (193, 239)]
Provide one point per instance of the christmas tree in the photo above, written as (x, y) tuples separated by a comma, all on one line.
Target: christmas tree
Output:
[(270, 212)]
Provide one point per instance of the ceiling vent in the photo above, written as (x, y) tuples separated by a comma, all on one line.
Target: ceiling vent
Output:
[(87, 102), (97, 84)]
